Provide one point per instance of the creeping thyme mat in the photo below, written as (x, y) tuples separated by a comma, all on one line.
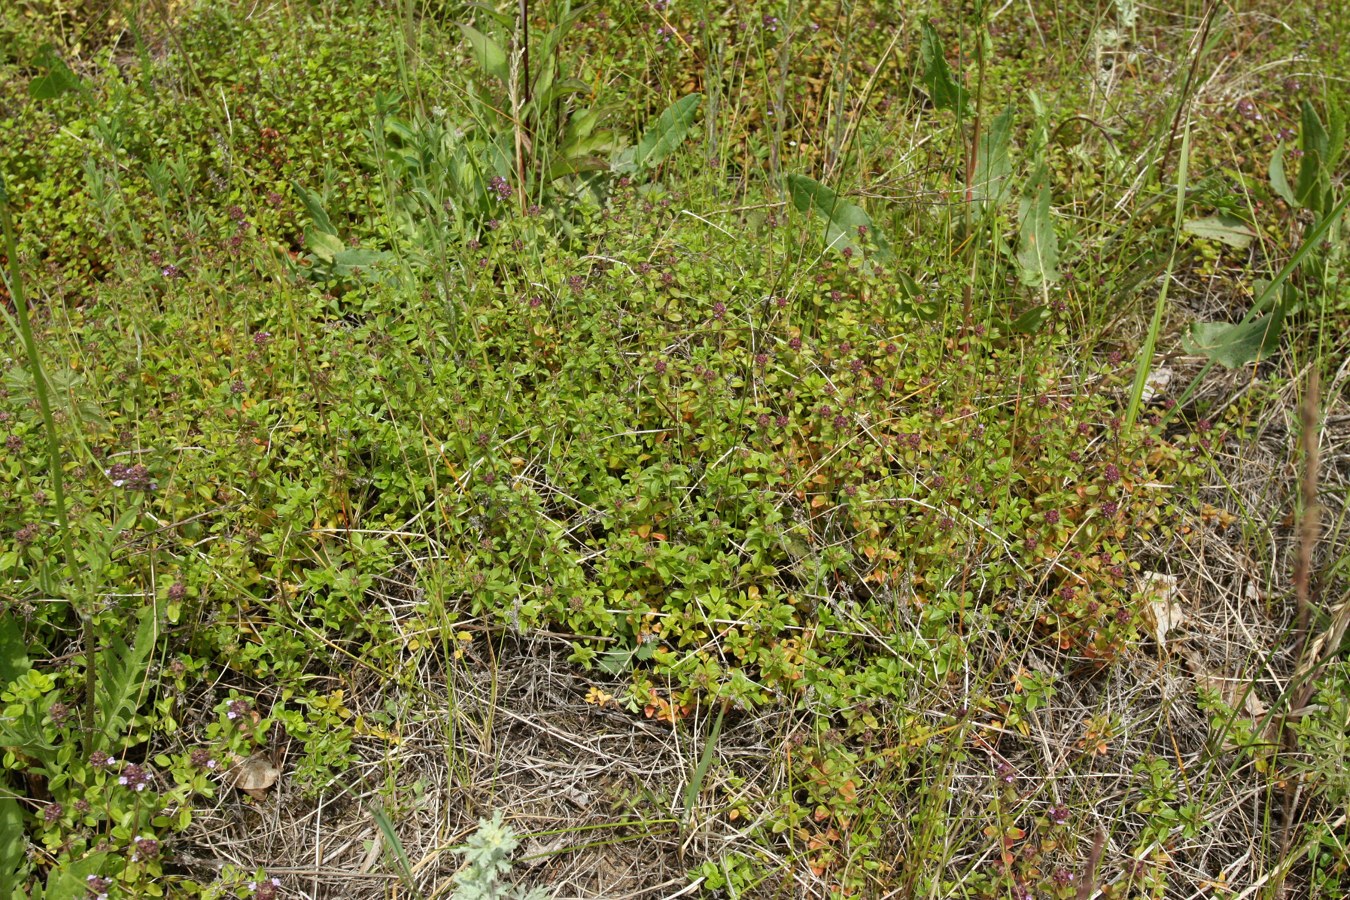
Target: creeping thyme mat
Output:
[(653, 468)]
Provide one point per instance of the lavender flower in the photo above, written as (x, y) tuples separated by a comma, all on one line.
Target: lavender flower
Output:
[(134, 777)]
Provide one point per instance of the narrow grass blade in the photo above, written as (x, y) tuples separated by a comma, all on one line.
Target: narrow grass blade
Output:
[(391, 836), (704, 763), (1144, 360)]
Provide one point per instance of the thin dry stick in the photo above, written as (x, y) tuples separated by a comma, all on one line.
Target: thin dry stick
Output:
[(1308, 534), (1087, 885), (1309, 530)]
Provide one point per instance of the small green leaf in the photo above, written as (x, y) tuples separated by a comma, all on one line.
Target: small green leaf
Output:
[(1224, 228), (937, 76), (490, 56), (1038, 247), (842, 218), (1278, 181), (667, 133), (1236, 345)]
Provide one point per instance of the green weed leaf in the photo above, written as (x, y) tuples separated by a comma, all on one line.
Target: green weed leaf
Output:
[(667, 133), (1278, 181), (322, 244), (13, 652), (122, 671), (1038, 247), (314, 206), (1235, 346), (842, 218), (58, 80), (937, 76), (1030, 321), (1312, 174), (490, 56), (992, 167), (12, 848), (1224, 228), (71, 879)]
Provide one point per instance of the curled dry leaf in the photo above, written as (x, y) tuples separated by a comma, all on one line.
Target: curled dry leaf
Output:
[(254, 775), (1162, 610)]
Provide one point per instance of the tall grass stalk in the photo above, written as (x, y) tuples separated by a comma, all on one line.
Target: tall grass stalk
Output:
[(1144, 360), (40, 391)]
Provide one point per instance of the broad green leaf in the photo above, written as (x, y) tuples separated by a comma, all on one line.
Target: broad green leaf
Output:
[(490, 56), (992, 167), (616, 662), (667, 133), (1278, 181), (359, 257), (1038, 247), (1224, 228), (937, 76), (562, 89), (842, 219), (58, 80), (1236, 345)]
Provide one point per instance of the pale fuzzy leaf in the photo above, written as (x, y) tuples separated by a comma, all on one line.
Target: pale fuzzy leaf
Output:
[(1279, 181), (254, 775), (842, 218), (1235, 346), (1229, 230), (490, 56), (1156, 383), (1038, 247), (943, 89), (668, 132)]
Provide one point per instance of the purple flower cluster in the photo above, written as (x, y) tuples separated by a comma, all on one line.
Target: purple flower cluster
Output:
[(135, 777), (133, 478), (146, 848), (268, 889)]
